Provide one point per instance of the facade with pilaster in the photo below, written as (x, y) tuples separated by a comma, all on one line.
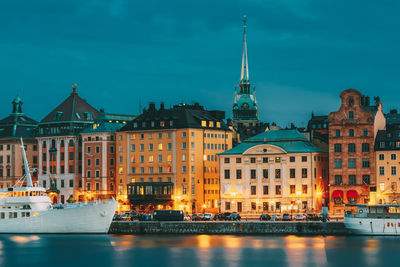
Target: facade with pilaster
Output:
[(60, 147), (273, 172)]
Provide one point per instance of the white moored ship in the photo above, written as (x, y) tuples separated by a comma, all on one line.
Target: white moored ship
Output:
[(29, 210), (365, 219)]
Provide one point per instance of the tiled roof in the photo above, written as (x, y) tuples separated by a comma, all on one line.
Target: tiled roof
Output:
[(17, 124), (182, 116), (278, 135), (73, 109), (103, 127), (292, 141)]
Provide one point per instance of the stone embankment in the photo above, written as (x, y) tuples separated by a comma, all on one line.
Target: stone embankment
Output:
[(222, 228)]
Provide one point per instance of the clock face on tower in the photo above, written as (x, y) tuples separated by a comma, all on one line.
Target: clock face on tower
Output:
[(245, 105)]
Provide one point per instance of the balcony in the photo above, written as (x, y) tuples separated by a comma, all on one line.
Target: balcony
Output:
[(150, 193)]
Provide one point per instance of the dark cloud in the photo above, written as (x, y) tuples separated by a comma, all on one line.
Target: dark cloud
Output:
[(302, 54)]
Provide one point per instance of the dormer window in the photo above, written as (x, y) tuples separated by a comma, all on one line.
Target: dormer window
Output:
[(78, 115), (58, 115), (143, 124), (171, 123), (88, 116), (152, 123), (135, 125), (203, 123)]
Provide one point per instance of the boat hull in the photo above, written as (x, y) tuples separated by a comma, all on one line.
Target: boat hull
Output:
[(372, 226), (89, 218)]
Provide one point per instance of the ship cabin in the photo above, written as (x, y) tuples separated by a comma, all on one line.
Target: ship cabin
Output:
[(385, 211), (22, 192)]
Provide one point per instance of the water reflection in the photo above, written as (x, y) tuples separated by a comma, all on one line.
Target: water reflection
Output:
[(196, 250)]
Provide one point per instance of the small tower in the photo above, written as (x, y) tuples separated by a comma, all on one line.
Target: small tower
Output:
[(245, 105), (17, 105)]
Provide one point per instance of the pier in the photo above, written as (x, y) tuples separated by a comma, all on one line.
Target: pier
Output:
[(239, 228)]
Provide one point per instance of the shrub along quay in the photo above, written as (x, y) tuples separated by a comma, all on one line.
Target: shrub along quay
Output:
[(246, 228)]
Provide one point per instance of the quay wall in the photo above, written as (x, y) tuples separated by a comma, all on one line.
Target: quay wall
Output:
[(240, 228)]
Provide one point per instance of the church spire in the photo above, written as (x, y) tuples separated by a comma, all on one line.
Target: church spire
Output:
[(244, 75)]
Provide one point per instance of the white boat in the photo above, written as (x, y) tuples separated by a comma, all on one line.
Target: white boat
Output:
[(29, 210), (365, 219)]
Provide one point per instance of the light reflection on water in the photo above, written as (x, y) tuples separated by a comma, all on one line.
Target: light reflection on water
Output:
[(196, 250)]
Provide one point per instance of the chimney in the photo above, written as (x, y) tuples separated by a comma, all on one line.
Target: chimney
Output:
[(152, 106), (393, 111), (162, 106), (367, 103)]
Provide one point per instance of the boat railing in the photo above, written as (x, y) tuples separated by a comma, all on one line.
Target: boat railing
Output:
[(81, 204), (351, 214)]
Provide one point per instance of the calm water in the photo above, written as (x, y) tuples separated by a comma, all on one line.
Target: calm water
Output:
[(201, 250)]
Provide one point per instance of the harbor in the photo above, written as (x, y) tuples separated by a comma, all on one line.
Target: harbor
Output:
[(231, 228)]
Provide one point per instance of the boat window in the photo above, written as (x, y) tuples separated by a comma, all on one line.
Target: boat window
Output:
[(23, 214), (3, 216), (28, 214), (35, 213), (30, 193)]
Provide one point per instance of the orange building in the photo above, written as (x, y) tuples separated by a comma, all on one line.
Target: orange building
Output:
[(98, 156), (167, 158)]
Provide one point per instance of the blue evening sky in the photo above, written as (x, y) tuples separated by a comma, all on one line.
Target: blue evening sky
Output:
[(302, 54)]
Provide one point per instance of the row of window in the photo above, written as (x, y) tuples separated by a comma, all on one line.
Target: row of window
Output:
[(265, 173), (265, 206), (352, 180), (53, 155), (392, 156), (13, 215), (351, 148), (351, 163), (52, 169), (351, 133), (150, 180), (278, 190), (62, 143), (160, 170), (275, 159), (215, 146), (393, 170)]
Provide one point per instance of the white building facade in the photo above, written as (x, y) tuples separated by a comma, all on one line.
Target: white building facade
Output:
[(273, 172)]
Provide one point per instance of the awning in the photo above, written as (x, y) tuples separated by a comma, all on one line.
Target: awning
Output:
[(352, 194), (337, 194)]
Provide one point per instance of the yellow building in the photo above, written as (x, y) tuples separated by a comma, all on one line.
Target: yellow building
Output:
[(387, 152), (167, 158)]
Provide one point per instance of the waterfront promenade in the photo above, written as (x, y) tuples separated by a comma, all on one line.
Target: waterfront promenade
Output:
[(239, 228)]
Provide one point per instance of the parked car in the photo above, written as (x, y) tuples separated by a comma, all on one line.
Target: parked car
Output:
[(197, 217), (265, 217), (299, 217), (186, 217), (234, 217), (221, 216), (323, 217), (168, 215), (312, 217), (286, 217), (208, 216), (145, 217), (125, 217), (275, 217), (133, 215)]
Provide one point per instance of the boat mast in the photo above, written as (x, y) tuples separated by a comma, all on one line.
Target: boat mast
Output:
[(26, 166)]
